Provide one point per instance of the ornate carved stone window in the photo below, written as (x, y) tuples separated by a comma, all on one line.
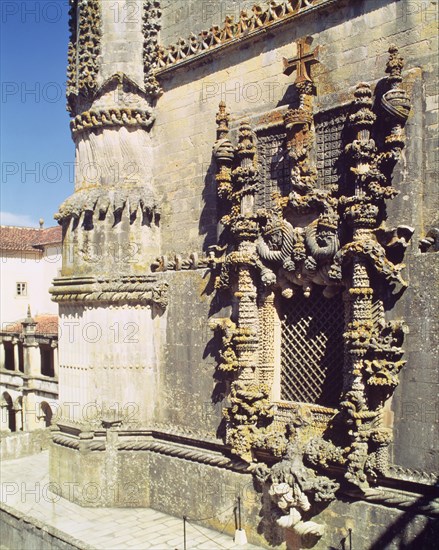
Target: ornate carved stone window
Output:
[(309, 259)]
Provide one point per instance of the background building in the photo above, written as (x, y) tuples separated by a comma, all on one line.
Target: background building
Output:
[(30, 260)]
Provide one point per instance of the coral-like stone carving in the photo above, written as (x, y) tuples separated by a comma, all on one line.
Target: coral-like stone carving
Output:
[(228, 331), (84, 50), (335, 238), (151, 27), (294, 487), (248, 415)]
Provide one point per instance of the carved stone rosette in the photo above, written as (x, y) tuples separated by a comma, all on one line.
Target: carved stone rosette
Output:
[(333, 238)]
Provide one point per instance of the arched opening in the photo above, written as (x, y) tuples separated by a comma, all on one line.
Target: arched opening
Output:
[(9, 408), (46, 412), (20, 357), (47, 364), (18, 409), (9, 355)]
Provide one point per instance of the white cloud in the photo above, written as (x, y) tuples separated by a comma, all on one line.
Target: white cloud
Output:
[(23, 220)]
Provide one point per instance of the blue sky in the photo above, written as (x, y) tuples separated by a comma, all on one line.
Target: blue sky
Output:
[(37, 153)]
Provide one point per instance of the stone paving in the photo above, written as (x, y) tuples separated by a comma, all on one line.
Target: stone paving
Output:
[(25, 487)]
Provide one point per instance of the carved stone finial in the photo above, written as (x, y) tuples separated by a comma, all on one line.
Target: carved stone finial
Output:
[(396, 101), (395, 64), (222, 120), (247, 143)]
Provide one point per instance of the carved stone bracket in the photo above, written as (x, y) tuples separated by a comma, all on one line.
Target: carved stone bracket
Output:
[(180, 263), (430, 243)]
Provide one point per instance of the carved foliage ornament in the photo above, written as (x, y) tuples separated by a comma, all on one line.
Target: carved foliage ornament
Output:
[(344, 247), (151, 28)]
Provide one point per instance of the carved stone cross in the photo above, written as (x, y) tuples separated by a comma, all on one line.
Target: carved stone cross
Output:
[(302, 61)]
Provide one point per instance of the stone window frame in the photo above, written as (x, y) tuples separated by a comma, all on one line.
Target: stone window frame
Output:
[(269, 368)]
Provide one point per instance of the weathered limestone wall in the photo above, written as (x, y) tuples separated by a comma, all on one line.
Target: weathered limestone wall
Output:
[(122, 40), (109, 361), (188, 365), (101, 479), (24, 444), (183, 16)]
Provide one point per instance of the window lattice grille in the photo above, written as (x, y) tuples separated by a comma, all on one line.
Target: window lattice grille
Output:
[(312, 349), (274, 166), (329, 146)]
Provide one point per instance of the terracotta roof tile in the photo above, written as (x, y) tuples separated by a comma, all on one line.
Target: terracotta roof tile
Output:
[(46, 324), (51, 235), (27, 238)]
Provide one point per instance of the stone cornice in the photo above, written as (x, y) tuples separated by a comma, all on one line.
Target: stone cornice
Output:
[(138, 290), (250, 25)]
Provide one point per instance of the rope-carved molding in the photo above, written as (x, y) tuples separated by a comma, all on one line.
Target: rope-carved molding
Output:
[(66, 441), (286, 476), (259, 19), (185, 453), (138, 290), (111, 118), (404, 501), (101, 201)]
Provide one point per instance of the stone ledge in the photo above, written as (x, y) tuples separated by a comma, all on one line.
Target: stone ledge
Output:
[(32, 533)]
